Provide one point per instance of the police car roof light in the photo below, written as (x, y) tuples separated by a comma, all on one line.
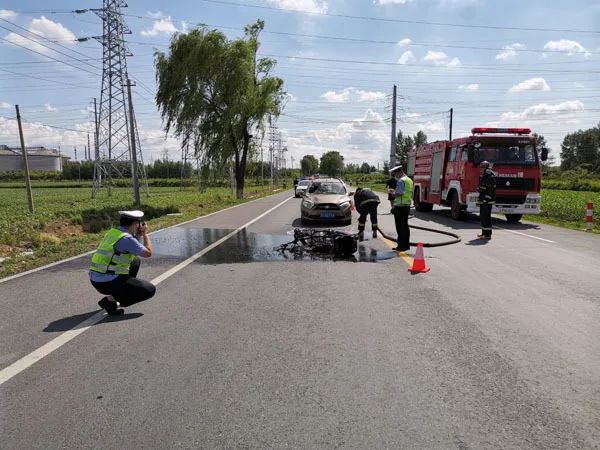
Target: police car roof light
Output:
[(484, 130)]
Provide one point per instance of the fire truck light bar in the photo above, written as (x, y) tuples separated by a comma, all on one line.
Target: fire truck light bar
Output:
[(501, 130)]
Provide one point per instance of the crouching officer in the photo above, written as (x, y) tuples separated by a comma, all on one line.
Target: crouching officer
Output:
[(403, 195), (487, 198), (115, 264), (366, 202)]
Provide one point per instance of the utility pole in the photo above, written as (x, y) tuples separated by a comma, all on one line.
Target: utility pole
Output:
[(25, 162), (134, 165), (75, 151), (89, 149), (393, 140), (97, 164), (451, 114)]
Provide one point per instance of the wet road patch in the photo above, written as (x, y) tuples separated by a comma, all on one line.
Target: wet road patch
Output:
[(246, 247)]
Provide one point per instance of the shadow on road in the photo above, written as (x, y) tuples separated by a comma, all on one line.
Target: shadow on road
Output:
[(471, 221), (476, 242), (68, 323)]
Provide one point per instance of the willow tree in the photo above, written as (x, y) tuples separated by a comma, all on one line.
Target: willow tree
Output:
[(214, 93)]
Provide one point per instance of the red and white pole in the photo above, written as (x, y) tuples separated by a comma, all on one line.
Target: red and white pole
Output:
[(589, 216)]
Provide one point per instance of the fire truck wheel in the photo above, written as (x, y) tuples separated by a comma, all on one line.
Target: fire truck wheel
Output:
[(456, 210), (419, 205), (513, 218)]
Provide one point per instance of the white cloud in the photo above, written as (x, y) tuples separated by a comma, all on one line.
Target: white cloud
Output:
[(510, 51), (404, 42), (184, 26), (566, 46), (155, 15), (407, 57), (161, 26), (350, 93), (291, 97), (454, 62), (441, 59), (50, 30), (7, 14), (49, 107), (545, 111), (434, 56), (533, 84), (369, 96), (5, 105), (390, 2), (312, 6), (469, 87), (337, 97)]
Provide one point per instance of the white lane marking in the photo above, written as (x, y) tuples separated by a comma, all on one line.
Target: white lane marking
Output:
[(71, 258), (27, 361), (523, 234)]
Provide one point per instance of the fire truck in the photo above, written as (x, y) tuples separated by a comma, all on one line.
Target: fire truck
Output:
[(447, 172)]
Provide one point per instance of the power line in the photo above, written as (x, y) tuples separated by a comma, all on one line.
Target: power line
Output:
[(389, 20), (49, 57)]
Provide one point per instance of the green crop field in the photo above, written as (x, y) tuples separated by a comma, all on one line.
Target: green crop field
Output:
[(67, 221), (567, 208)]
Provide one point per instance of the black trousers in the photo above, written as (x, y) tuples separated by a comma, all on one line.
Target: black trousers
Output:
[(401, 220), (485, 215), (127, 289), (370, 209)]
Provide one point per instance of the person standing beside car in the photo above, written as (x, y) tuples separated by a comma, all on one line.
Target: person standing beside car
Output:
[(403, 195)]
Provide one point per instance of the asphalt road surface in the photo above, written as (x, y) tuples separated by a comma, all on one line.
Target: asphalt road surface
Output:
[(498, 346)]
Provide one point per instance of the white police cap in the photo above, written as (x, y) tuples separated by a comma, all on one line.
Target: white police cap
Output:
[(136, 214), (395, 169)]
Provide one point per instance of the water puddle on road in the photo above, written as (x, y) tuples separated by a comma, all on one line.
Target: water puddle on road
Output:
[(245, 247)]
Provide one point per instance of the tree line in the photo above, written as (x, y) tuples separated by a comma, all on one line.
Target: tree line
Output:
[(581, 150)]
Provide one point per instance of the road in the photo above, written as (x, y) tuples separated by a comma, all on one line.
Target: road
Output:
[(498, 346)]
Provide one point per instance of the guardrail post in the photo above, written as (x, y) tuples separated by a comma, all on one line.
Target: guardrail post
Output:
[(589, 216)]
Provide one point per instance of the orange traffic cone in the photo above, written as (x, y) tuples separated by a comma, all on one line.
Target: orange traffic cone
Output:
[(418, 265)]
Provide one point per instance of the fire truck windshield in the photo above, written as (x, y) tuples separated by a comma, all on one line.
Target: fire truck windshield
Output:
[(514, 154)]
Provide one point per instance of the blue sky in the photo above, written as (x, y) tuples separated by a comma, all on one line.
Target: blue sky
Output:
[(490, 67)]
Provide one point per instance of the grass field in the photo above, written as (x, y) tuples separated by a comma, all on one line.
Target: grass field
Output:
[(567, 208), (67, 221)]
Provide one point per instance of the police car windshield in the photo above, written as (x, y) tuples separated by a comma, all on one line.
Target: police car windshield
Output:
[(514, 154), (304, 183), (327, 188)]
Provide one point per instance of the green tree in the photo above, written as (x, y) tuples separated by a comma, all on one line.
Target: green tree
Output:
[(365, 168), (403, 145), (309, 165), (332, 164), (419, 139), (215, 93), (386, 167), (581, 149)]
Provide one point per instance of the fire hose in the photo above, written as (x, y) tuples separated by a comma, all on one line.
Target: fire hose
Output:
[(456, 239)]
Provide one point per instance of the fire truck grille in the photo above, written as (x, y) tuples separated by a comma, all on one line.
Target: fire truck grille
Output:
[(522, 184), (510, 200)]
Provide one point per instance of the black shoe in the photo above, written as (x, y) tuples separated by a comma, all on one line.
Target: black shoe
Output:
[(401, 249), (110, 307)]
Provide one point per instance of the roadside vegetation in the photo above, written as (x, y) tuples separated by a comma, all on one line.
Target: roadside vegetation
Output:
[(68, 222)]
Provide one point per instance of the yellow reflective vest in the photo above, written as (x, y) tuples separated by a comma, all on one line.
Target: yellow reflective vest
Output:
[(406, 198), (106, 260)]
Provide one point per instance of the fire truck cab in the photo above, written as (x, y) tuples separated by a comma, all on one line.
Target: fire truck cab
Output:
[(447, 172)]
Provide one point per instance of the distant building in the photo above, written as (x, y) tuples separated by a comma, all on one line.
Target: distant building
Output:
[(40, 159)]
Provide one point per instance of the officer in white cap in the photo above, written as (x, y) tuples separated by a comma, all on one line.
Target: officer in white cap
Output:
[(402, 195), (115, 264)]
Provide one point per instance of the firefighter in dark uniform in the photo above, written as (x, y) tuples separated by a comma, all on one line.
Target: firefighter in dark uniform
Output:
[(366, 202), (487, 198)]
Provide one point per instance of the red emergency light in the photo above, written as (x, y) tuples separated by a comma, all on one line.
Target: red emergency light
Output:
[(501, 130)]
